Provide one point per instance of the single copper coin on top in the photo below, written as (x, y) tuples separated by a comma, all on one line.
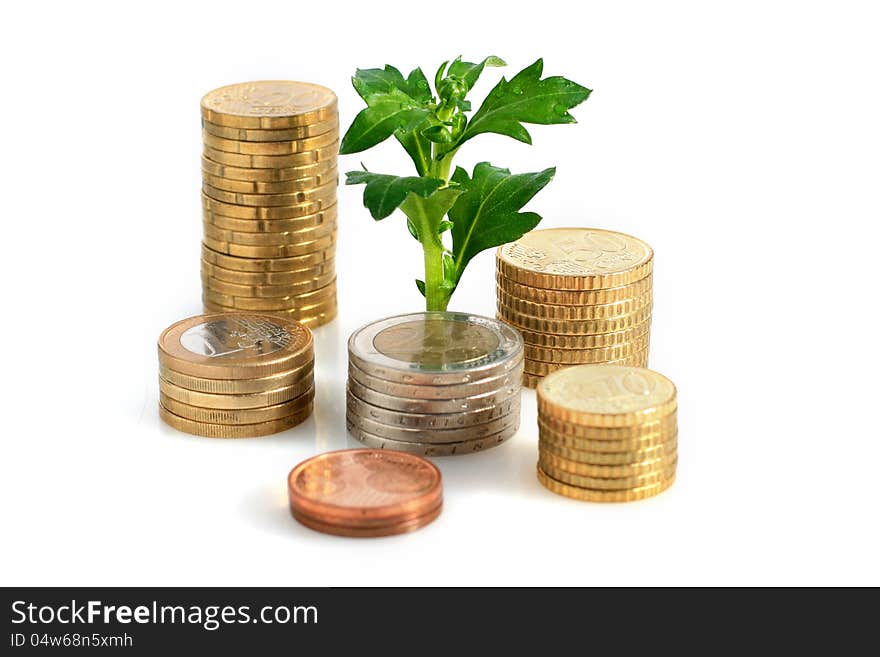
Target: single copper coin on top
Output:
[(365, 492)]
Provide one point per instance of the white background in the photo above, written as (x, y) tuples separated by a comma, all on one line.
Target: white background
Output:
[(740, 140)]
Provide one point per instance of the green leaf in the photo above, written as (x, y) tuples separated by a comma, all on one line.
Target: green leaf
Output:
[(411, 227), (487, 214), (439, 74), (383, 193), (444, 226), (417, 86), (470, 72), (416, 146), (369, 82), (438, 134), (421, 285), (373, 125), (427, 211), (526, 98)]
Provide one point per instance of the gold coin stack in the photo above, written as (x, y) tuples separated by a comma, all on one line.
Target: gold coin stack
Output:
[(608, 433), (577, 295), (235, 375), (269, 199)]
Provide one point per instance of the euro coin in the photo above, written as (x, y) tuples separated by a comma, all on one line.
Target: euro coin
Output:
[(573, 327), (433, 436), (236, 401), (665, 425), (432, 420), (606, 395), (268, 265), (272, 161), (238, 387), (596, 341), (663, 450), (540, 368), (303, 235), (430, 449), (310, 318), (234, 346), (269, 105), (323, 193), (574, 313), (282, 187), (573, 297), (294, 277), (269, 147), (593, 495), (284, 134), (237, 416), (509, 382), (324, 200), (211, 430), (314, 297), (575, 356), (630, 470), (268, 175), (575, 259), (321, 218), (394, 529), (461, 405), (611, 483), (267, 291), (281, 251)]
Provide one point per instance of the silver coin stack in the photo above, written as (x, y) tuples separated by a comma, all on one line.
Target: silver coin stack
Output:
[(434, 383)]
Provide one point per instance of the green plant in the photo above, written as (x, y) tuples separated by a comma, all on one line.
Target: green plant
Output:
[(480, 210)]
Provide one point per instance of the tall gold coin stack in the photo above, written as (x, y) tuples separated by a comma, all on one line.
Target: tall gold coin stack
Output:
[(577, 295), (608, 433), (269, 199), (235, 375)]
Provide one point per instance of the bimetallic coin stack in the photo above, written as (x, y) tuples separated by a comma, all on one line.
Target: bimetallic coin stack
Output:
[(608, 433), (365, 492), (577, 295), (269, 199), (434, 383), (235, 375)]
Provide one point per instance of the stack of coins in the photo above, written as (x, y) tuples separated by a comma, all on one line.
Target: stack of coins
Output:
[(269, 199), (577, 295), (365, 492), (434, 383), (608, 433), (235, 375)]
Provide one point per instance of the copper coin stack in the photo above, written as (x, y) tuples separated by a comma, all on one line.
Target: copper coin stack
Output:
[(365, 492), (577, 295), (235, 375), (608, 433), (269, 182), (434, 383)]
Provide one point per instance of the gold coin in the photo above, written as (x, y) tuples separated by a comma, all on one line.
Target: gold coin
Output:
[(606, 395), (609, 483), (211, 430), (324, 192), (283, 134), (300, 277), (311, 302), (630, 445), (267, 175), (664, 427), (283, 187), (231, 387), (269, 104), (269, 147), (551, 463), (575, 356), (266, 291), (277, 251), (610, 458), (271, 225), (576, 313), (327, 153), (234, 346), (235, 402), (544, 369), (237, 415), (573, 327), (308, 318), (268, 265), (300, 236), (325, 200), (593, 495), (573, 297), (575, 259), (597, 341)]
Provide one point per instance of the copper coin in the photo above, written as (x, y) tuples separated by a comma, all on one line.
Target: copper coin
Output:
[(364, 487), (369, 532)]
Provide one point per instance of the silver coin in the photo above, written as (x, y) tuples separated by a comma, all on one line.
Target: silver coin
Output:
[(432, 420), (436, 348), (509, 380), (409, 435), (428, 449), (462, 404)]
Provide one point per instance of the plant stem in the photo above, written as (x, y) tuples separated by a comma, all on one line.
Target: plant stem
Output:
[(436, 296)]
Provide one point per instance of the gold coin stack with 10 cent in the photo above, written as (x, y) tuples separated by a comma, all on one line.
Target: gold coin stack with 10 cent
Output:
[(269, 182), (577, 295), (235, 375), (608, 433)]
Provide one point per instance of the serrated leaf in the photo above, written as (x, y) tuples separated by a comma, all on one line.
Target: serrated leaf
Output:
[(385, 115), (421, 285), (417, 86), (370, 82), (383, 193), (487, 214), (526, 98), (469, 71)]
